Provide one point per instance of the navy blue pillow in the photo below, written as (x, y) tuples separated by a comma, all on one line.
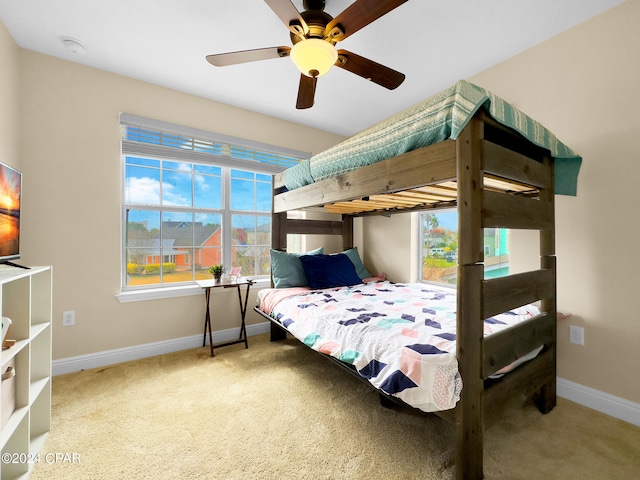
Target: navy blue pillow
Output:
[(327, 271)]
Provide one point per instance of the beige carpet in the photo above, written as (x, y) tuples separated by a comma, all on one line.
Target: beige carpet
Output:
[(279, 411)]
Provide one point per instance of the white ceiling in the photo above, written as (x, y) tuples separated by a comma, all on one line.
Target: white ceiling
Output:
[(433, 42)]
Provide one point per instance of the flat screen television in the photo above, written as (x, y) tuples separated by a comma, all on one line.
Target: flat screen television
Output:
[(10, 193)]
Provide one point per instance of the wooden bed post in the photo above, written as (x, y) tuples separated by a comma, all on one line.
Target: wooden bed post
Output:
[(469, 414), (279, 231), (546, 399), (278, 242), (347, 232)]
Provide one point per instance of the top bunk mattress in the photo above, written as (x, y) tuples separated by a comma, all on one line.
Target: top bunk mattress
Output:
[(436, 119)]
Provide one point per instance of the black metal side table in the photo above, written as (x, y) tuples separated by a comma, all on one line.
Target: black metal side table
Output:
[(225, 283)]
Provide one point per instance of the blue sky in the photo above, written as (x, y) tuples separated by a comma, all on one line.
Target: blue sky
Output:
[(447, 219), (182, 184), (185, 184)]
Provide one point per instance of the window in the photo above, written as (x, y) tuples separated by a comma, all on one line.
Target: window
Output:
[(193, 201), (439, 252)]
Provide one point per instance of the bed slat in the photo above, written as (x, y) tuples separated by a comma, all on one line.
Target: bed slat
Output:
[(298, 226), (504, 347), (508, 164), (526, 380), (504, 293), (511, 211)]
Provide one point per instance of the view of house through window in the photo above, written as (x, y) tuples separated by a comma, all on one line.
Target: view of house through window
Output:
[(439, 252), (191, 203), (176, 227)]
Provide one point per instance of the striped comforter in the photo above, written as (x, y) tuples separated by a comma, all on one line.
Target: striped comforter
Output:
[(434, 120)]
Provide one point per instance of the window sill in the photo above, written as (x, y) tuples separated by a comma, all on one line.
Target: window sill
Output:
[(172, 292)]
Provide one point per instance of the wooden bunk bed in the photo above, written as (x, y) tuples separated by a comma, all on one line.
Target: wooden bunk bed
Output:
[(495, 177)]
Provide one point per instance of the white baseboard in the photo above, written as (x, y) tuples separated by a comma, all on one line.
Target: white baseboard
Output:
[(602, 402), (110, 357)]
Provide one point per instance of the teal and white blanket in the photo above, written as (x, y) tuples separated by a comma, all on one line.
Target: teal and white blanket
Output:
[(436, 119)]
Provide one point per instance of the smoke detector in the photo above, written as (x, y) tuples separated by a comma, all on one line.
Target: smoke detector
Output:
[(73, 45)]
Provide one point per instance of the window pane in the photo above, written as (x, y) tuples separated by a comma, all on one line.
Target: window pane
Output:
[(176, 246), (263, 261), (250, 191), (252, 261), (261, 177), (251, 239), (176, 188), (243, 226), (263, 196), (440, 247), (142, 247), (207, 190), (142, 185), (242, 194), (208, 243)]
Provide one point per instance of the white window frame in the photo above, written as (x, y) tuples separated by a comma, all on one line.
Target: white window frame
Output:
[(257, 157)]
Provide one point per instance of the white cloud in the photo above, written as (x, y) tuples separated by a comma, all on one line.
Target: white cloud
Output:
[(146, 190)]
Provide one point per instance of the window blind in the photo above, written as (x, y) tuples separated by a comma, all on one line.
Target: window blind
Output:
[(143, 136)]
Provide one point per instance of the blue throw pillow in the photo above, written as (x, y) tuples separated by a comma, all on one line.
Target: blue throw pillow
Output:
[(353, 255), (327, 271), (287, 270)]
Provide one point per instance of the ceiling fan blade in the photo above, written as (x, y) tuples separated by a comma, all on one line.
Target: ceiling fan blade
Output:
[(244, 56), (290, 16), (306, 92), (358, 15), (369, 69)]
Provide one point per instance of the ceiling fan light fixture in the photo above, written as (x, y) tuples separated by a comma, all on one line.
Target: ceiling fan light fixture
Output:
[(314, 57)]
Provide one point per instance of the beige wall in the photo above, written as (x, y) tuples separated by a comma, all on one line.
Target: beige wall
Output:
[(582, 85), (387, 246), (8, 99), (70, 156)]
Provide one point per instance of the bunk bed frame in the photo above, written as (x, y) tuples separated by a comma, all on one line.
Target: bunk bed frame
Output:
[(496, 178)]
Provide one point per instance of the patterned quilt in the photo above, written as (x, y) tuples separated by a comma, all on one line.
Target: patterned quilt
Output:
[(401, 337), (439, 117)]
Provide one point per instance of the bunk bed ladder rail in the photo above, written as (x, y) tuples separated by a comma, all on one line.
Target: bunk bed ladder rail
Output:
[(485, 147)]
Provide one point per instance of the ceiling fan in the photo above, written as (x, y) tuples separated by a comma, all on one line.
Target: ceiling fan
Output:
[(314, 34)]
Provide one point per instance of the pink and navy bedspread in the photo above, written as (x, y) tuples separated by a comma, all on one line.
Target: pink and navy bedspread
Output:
[(401, 337)]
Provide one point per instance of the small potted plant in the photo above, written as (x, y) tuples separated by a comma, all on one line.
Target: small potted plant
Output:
[(216, 271)]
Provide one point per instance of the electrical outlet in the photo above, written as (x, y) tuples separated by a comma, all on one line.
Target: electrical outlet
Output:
[(576, 335), (68, 318)]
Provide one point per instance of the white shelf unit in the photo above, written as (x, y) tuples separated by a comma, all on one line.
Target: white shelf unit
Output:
[(25, 297)]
